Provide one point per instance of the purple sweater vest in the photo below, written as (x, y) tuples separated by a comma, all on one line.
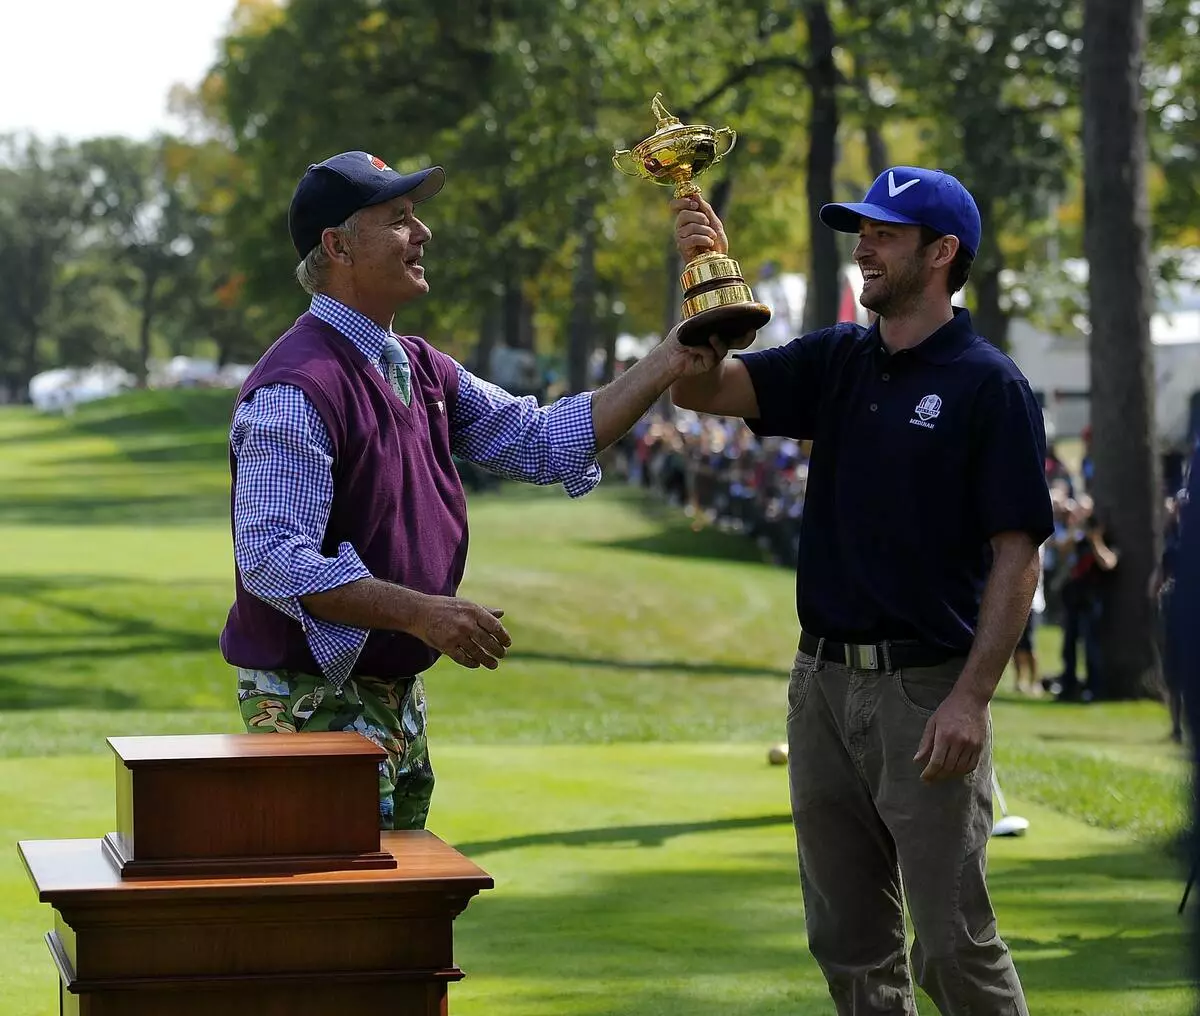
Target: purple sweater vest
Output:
[(397, 496)]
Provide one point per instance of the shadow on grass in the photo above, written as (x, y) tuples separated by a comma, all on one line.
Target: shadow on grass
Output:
[(179, 410), (181, 434), (639, 835), (673, 666), (136, 414), (1129, 941), (208, 449), (110, 635), (675, 536), (634, 942), (78, 508), (643, 931)]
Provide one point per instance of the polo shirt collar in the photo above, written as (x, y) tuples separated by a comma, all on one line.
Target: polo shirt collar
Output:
[(944, 345)]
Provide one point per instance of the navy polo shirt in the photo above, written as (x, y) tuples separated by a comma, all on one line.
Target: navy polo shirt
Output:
[(919, 458)]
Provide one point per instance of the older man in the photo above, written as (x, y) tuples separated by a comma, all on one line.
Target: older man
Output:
[(349, 520)]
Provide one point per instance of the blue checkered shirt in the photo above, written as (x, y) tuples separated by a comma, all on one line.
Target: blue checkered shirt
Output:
[(285, 481)]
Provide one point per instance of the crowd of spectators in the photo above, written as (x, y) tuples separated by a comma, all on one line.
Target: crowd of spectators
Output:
[(721, 475)]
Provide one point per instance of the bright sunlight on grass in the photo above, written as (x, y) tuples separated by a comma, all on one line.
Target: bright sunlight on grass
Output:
[(611, 776)]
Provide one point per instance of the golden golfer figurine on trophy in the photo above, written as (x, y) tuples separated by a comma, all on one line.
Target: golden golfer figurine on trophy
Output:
[(716, 299)]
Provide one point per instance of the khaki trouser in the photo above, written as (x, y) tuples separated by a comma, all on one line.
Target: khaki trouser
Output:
[(865, 822)]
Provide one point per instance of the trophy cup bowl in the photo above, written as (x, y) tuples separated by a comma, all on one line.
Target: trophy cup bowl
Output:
[(716, 299)]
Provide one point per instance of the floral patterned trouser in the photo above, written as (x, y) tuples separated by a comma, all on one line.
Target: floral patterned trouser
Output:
[(390, 713)]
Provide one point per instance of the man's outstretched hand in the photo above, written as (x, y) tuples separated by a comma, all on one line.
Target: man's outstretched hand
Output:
[(688, 361), (471, 635)]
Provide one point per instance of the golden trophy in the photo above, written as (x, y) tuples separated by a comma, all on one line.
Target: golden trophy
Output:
[(716, 299)]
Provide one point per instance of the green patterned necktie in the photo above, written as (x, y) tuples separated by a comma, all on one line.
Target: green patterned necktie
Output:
[(397, 370)]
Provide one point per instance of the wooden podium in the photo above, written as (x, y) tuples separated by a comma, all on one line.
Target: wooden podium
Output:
[(248, 877)]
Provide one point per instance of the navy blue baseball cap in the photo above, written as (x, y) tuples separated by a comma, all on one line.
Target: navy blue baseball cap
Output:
[(913, 197), (333, 190)]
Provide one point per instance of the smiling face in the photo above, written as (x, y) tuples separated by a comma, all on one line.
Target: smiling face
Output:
[(898, 271), (893, 266), (381, 261)]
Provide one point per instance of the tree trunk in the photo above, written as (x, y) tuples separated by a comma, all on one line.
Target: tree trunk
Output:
[(1116, 239), (821, 305), (486, 342), (989, 318), (513, 298), (722, 195), (610, 326), (29, 365), (582, 321), (672, 267), (877, 150), (149, 285)]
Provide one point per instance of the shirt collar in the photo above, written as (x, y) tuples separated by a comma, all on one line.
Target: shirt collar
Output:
[(944, 345), (364, 334)]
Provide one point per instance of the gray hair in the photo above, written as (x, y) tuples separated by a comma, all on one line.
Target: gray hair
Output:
[(313, 272)]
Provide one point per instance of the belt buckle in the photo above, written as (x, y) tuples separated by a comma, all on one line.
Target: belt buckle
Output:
[(862, 657)]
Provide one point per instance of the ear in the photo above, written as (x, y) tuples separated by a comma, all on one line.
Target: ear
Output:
[(945, 251), (336, 246)]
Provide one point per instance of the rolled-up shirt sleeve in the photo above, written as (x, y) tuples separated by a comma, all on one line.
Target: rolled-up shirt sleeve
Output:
[(281, 503), (515, 437)]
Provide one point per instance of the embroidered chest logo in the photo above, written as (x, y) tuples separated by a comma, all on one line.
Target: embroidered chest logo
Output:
[(927, 411)]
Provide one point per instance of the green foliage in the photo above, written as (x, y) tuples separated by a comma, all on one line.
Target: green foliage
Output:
[(43, 217), (523, 104), (992, 86), (114, 250), (1173, 93), (180, 245)]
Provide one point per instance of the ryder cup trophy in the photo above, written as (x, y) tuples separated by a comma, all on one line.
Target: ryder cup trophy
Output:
[(716, 299)]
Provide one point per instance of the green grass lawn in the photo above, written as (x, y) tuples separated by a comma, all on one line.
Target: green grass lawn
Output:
[(611, 774)]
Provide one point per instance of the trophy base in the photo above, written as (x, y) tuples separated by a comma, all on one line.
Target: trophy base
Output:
[(733, 323)]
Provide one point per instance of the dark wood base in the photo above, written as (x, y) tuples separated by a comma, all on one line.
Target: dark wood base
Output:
[(213, 867), (360, 997), (340, 943), (734, 324), (288, 994)]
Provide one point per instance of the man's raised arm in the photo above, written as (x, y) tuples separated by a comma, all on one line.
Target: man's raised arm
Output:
[(726, 390)]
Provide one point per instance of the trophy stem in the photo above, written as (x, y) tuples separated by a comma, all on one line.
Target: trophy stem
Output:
[(685, 189)]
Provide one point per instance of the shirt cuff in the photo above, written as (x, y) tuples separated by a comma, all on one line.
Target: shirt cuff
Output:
[(335, 647), (573, 435)]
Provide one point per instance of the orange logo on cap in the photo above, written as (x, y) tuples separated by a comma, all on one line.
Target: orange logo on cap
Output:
[(378, 163)]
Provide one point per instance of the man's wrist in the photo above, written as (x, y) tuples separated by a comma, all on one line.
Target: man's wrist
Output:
[(975, 692), (417, 611), (665, 362)]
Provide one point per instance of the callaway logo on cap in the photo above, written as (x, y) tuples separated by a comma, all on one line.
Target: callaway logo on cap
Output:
[(913, 197)]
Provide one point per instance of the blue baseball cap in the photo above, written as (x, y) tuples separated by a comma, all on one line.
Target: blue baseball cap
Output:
[(333, 190), (913, 197)]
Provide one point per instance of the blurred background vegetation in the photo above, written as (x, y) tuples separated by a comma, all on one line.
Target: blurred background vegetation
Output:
[(116, 249)]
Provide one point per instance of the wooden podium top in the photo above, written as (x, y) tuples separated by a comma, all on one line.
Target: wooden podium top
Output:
[(74, 871), (234, 748)]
